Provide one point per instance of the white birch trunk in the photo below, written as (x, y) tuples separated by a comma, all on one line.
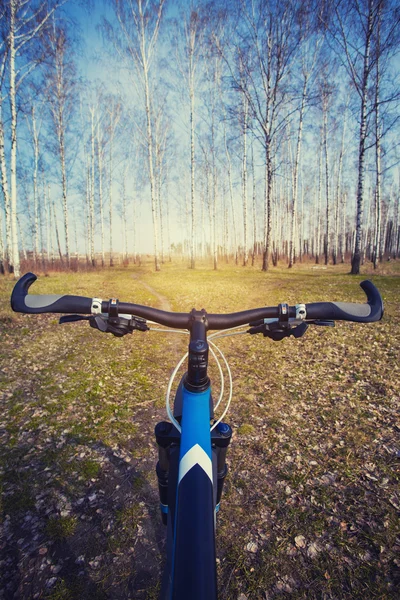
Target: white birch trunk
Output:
[(87, 214), (267, 205), (100, 168), (192, 150), (13, 160), (110, 213), (92, 191), (318, 235), (1, 243), (295, 172), (377, 251), (356, 260), (365, 232), (338, 194), (64, 194), (21, 237), (229, 164), (253, 255), (160, 208), (268, 163), (57, 234), (47, 219), (149, 126), (327, 212), (6, 195), (134, 244), (75, 238), (342, 243), (244, 181), (168, 221), (124, 217), (35, 185)]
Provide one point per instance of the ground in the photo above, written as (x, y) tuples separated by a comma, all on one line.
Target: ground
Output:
[(311, 502)]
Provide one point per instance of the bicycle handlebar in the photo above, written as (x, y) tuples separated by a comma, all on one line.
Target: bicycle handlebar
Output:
[(23, 302), (369, 312)]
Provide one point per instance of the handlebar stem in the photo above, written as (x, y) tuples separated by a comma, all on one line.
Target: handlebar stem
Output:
[(197, 378)]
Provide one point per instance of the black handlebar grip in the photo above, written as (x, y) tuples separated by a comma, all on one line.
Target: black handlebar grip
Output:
[(369, 312), (23, 302)]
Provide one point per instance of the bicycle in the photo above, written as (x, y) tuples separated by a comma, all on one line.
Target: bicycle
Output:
[(192, 445)]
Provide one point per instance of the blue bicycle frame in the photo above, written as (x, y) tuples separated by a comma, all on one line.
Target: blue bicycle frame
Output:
[(191, 570), (192, 470)]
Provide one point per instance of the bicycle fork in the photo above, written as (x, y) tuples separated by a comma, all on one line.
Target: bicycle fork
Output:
[(168, 441)]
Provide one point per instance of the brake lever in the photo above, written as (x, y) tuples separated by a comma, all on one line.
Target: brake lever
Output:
[(72, 319), (277, 331), (322, 323), (118, 326)]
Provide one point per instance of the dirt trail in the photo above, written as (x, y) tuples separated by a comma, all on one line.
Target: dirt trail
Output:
[(164, 302)]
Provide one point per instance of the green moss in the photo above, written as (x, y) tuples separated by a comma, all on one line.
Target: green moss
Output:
[(59, 528), (89, 468), (60, 592), (245, 429)]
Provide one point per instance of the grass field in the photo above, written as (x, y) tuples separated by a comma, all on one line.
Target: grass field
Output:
[(311, 502)]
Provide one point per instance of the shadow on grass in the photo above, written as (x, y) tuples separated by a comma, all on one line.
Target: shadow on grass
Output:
[(78, 527)]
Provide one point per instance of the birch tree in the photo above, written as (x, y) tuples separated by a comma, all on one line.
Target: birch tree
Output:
[(188, 66), (91, 180), (100, 162), (114, 116), (35, 133), (230, 185), (244, 124), (325, 93), (135, 40), (296, 166), (22, 23), (339, 202), (3, 162), (309, 56), (352, 30), (61, 87), (161, 149), (270, 34), (2, 270)]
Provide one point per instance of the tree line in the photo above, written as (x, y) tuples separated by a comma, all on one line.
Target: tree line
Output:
[(246, 128)]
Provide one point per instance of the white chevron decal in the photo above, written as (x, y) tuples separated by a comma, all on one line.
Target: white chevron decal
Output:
[(195, 456)]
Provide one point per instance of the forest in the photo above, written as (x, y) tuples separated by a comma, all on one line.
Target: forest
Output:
[(254, 131)]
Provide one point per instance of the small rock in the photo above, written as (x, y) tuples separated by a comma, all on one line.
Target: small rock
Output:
[(300, 541), (313, 550), (282, 586), (366, 556), (42, 551), (56, 569), (252, 547), (50, 582)]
